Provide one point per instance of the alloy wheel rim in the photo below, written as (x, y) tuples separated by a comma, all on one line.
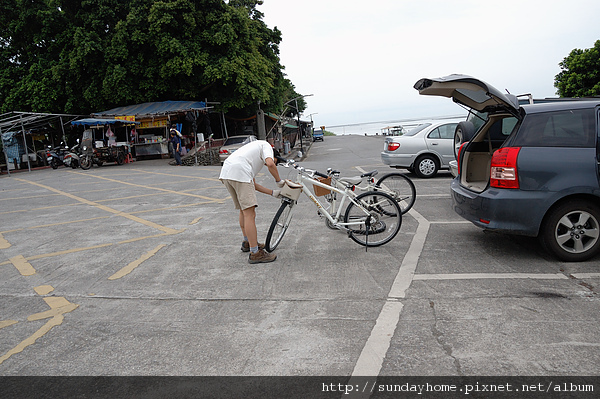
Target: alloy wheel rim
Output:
[(427, 167), (577, 232)]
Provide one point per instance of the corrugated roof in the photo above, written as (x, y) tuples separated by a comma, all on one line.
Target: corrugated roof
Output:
[(154, 108), (100, 121)]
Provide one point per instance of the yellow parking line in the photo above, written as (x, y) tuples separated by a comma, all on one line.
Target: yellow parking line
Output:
[(169, 174), (7, 323), (172, 207), (33, 196), (70, 251), (22, 265), (4, 243), (106, 208), (43, 289), (37, 209), (130, 197), (58, 307), (156, 188), (195, 220), (41, 226), (143, 238), (130, 267)]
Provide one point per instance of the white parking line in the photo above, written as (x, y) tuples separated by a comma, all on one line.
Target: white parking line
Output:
[(371, 358), (586, 275), (483, 276), (370, 361)]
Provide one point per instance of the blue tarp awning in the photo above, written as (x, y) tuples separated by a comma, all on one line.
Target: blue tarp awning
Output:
[(154, 108), (99, 121)]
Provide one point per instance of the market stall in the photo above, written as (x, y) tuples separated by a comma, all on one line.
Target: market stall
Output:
[(150, 138)]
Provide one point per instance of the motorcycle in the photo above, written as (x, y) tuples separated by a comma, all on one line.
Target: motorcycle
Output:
[(55, 156), (71, 158), (87, 158)]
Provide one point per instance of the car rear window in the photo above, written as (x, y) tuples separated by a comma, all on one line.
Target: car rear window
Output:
[(417, 129), (569, 128), (236, 140)]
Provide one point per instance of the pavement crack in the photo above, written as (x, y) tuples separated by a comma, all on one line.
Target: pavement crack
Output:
[(440, 338)]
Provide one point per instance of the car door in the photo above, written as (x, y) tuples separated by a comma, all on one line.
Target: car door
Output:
[(441, 142)]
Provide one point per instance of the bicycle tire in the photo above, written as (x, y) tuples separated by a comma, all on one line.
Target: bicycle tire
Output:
[(400, 187), (279, 225), (384, 222)]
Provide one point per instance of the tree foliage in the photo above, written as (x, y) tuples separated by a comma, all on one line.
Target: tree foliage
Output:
[(580, 73), (91, 55)]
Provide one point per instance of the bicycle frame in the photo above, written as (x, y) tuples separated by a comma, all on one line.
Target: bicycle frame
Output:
[(360, 216), (346, 194)]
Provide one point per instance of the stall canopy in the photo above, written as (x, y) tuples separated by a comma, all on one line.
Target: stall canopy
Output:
[(15, 123), (154, 108), (31, 120), (99, 121)]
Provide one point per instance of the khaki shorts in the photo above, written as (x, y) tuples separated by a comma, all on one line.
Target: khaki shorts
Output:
[(243, 194)]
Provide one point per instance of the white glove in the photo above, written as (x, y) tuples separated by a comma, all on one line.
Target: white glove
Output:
[(276, 193), (280, 183)]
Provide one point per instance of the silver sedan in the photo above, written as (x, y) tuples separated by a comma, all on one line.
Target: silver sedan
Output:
[(424, 150)]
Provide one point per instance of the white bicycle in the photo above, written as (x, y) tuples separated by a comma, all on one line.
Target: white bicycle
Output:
[(371, 219)]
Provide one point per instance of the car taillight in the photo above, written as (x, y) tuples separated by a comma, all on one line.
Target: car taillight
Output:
[(224, 152), (392, 146), (503, 172)]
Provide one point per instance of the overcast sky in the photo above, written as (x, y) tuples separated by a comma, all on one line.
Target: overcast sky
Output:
[(361, 59)]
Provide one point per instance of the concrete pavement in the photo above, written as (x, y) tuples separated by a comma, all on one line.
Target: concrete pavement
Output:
[(136, 270)]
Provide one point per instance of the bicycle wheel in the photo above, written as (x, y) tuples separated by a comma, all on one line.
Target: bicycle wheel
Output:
[(376, 222), (279, 226), (400, 187)]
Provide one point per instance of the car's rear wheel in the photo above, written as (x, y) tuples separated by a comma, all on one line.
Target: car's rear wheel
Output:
[(426, 166), (571, 231)]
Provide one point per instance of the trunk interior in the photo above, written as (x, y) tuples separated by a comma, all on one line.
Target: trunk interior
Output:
[(476, 161)]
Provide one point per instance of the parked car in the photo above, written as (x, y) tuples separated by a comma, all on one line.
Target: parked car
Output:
[(424, 150), (233, 143), (318, 135), (541, 180)]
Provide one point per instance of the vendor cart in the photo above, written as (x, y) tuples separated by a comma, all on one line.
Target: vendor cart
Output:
[(110, 154), (100, 155)]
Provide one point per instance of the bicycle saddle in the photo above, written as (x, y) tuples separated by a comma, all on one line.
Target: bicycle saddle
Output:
[(370, 174)]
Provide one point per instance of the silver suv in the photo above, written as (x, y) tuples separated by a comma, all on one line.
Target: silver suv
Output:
[(530, 169)]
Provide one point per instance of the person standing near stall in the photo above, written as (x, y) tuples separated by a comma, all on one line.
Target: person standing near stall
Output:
[(176, 142)]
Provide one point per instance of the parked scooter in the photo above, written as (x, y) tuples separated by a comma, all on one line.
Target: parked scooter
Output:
[(71, 157), (55, 156)]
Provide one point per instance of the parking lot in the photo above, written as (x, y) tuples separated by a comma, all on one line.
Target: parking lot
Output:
[(136, 270)]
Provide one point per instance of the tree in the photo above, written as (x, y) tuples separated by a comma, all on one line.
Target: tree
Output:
[(92, 55), (580, 73)]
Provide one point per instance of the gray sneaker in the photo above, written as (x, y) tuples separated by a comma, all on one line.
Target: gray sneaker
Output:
[(261, 256), (246, 246)]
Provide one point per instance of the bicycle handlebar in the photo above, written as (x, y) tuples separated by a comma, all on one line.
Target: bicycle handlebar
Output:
[(290, 162)]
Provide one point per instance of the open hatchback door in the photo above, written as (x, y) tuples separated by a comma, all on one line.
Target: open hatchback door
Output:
[(470, 92)]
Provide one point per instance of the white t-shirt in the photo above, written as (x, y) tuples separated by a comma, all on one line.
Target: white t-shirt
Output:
[(245, 163)]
